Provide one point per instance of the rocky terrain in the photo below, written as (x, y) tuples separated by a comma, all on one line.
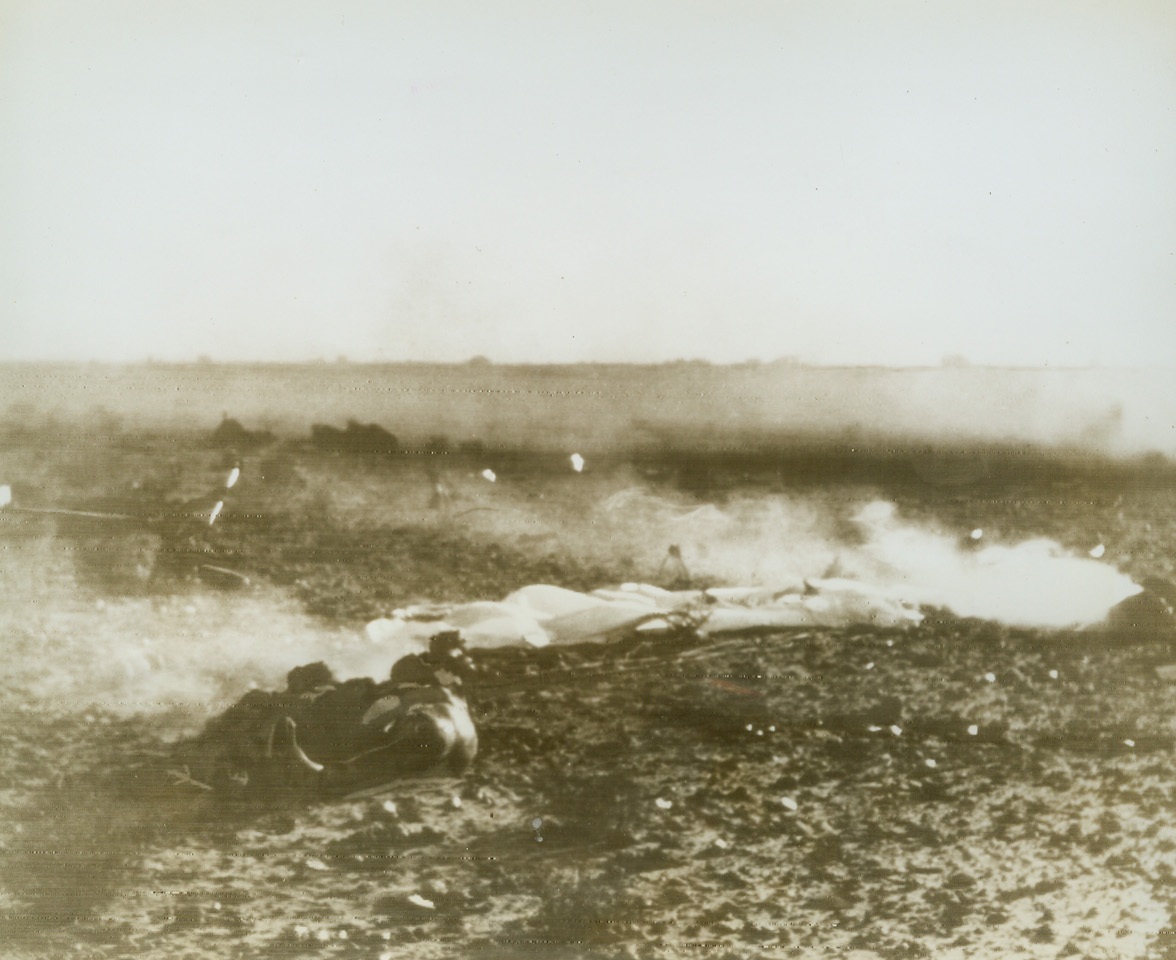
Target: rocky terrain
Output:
[(964, 789)]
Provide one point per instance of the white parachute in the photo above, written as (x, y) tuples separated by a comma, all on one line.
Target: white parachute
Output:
[(540, 615)]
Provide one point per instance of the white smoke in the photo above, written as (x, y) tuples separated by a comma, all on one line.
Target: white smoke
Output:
[(1031, 583), (780, 541), (197, 652), (187, 655)]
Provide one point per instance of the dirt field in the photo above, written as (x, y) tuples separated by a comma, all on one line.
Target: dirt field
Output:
[(963, 789)]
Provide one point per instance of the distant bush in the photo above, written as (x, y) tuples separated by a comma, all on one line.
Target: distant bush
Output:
[(368, 439), (230, 433)]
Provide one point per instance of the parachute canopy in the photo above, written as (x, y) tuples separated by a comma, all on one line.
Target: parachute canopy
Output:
[(540, 615)]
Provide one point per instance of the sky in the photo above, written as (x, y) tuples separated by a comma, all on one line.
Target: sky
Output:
[(832, 181)]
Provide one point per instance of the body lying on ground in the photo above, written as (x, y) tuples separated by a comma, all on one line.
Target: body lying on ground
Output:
[(321, 736)]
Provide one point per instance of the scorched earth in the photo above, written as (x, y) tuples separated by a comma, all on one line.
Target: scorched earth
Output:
[(964, 787)]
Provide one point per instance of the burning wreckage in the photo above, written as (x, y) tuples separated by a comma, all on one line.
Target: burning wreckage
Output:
[(324, 738)]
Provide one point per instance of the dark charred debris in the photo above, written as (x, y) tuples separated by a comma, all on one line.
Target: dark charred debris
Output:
[(324, 738)]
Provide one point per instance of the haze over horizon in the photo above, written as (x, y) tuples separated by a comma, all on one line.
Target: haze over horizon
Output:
[(841, 182)]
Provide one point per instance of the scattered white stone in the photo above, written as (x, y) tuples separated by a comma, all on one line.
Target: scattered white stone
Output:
[(389, 807), (663, 804), (418, 901), (930, 762), (1098, 551), (870, 665), (455, 802), (874, 728), (577, 462), (749, 727), (896, 729), (323, 935), (1053, 674), (489, 475), (990, 677), (316, 864), (721, 843), (1129, 743), (973, 730), (301, 931), (789, 804)]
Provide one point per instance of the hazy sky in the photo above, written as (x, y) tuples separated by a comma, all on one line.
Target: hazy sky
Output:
[(841, 182)]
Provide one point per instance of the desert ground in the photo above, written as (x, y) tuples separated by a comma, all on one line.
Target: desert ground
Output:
[(964, 788)]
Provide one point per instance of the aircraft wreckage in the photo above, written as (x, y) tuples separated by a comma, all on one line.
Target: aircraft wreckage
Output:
[(322, 737)]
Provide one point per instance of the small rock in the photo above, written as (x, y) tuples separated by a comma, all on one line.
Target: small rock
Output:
[(973, 730), (437, 889), (789, 804), (418, 901), (663, 804)]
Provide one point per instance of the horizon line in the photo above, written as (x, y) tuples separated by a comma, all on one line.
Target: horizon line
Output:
[(957, 364)]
